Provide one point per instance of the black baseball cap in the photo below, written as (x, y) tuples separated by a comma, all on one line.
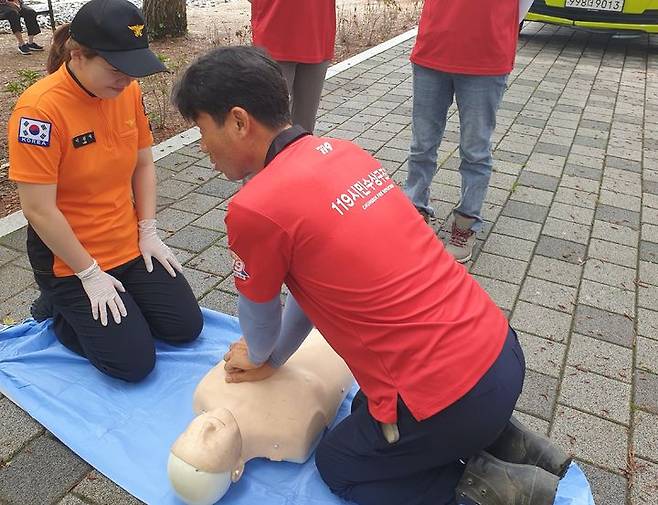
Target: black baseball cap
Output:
[(115, 30)]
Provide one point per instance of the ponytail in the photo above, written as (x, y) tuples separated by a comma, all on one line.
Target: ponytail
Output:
[(61, 47)]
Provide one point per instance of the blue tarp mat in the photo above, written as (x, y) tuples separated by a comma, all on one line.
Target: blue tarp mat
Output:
[(125, 430)]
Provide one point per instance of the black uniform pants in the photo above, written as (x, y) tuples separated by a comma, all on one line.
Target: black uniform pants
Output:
[(159, 307), (14, 18), (423, 467)]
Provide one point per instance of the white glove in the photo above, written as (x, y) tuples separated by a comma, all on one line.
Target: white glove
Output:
[(151, 246), (101, 288)]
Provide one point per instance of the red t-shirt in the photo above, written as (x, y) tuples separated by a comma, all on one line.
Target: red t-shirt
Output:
[(303, 31), (476, 37), (327, 220)]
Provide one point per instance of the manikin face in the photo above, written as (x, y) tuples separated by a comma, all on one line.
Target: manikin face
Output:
[(206, 458), (226, 144), (98, 76)]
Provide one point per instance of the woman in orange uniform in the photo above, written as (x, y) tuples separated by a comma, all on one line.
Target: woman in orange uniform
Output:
[(80, 152)]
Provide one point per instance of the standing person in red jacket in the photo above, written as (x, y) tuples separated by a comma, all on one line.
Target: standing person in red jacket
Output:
[(300, 36), (464, 51)]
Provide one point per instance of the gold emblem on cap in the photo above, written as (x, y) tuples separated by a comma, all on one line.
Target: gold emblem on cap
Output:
[(137, 30)]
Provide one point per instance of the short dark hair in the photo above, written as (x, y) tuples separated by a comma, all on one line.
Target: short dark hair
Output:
[(238, 76)]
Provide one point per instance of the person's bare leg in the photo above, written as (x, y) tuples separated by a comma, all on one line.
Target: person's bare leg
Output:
[(19, 38)]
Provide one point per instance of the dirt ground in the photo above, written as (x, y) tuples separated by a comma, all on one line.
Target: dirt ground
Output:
[(360, 24)]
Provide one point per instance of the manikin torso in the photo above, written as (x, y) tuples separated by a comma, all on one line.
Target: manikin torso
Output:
[(279, 418)]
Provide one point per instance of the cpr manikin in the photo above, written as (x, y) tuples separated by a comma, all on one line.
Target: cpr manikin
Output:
[(280, 418)]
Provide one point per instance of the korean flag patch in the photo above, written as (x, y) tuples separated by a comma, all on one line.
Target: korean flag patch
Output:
[(34, 132)]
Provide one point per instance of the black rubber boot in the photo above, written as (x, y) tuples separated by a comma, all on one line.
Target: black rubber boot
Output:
[(518, 444), (41, 308), (490, 481)]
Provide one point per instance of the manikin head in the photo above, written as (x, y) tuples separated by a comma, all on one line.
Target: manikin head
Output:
[(206, 458), (239, 99)]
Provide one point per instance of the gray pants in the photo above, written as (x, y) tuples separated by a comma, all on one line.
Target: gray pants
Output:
[(305, 82)]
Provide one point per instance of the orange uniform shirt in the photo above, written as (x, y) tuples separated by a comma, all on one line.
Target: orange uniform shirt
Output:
[(60, 134)]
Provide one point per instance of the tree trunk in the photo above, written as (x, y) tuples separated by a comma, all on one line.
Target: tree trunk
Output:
[(165, 18)]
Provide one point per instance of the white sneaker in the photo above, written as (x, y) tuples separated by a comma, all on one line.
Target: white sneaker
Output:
[(462, 238)]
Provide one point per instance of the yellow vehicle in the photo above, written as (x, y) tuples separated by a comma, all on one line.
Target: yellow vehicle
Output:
[(616, 15)]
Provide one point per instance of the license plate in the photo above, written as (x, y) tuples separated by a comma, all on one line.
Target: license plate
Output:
[(596, 5)]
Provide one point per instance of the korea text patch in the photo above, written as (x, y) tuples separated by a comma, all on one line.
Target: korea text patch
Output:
[(34, 132)]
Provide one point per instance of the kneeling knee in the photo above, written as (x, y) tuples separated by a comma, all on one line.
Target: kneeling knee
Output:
[(327, 468), (186, 329), (137, 368)]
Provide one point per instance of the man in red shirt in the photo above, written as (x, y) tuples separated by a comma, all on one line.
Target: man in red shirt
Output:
[(300, 36), (428, 347), (464, 51)]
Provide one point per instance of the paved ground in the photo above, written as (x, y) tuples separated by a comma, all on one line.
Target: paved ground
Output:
[(571, 251)]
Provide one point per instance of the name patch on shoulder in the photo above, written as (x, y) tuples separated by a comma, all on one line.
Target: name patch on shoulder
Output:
[(34, 132), (84, 139)]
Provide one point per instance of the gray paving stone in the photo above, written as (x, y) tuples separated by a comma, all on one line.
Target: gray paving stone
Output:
[(17, 308), (570, 213), (614, 253), (389, 153), (193, 238), (566, 230), (620, 200), (615, 233), (645, 435), (649, 232), (510, 247), (173, 220), (554, 270), (534, 423), (70, 499), (647, 323), (542, 355), (219, 188), (519, 228), (645, 488), (176, 161), (502, 293), (603, 325), (560, 249), (548, 294), (609, 273), (498, 267), (181, 255), (649, 251), (591, 354), (215, 260), (647, 355), (608, 298), (16, 429), (42, 473), (646, 391), (579, 171), (196, 174), (15, 240), (539, 181), (541, 321), (201, 282), (213, 220), (527, 211), (197, 203), (14, 280), (607, 488), (193, 150), (647, 296), (6, 255), (96, 488), (532, 195), (591, 438), (538, 396), (615, 215), (221, 302), (598, 395), (174, 189)]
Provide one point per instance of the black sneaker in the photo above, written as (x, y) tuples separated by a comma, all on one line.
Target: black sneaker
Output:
[(33, 46), (24, 50), (41, 308)]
